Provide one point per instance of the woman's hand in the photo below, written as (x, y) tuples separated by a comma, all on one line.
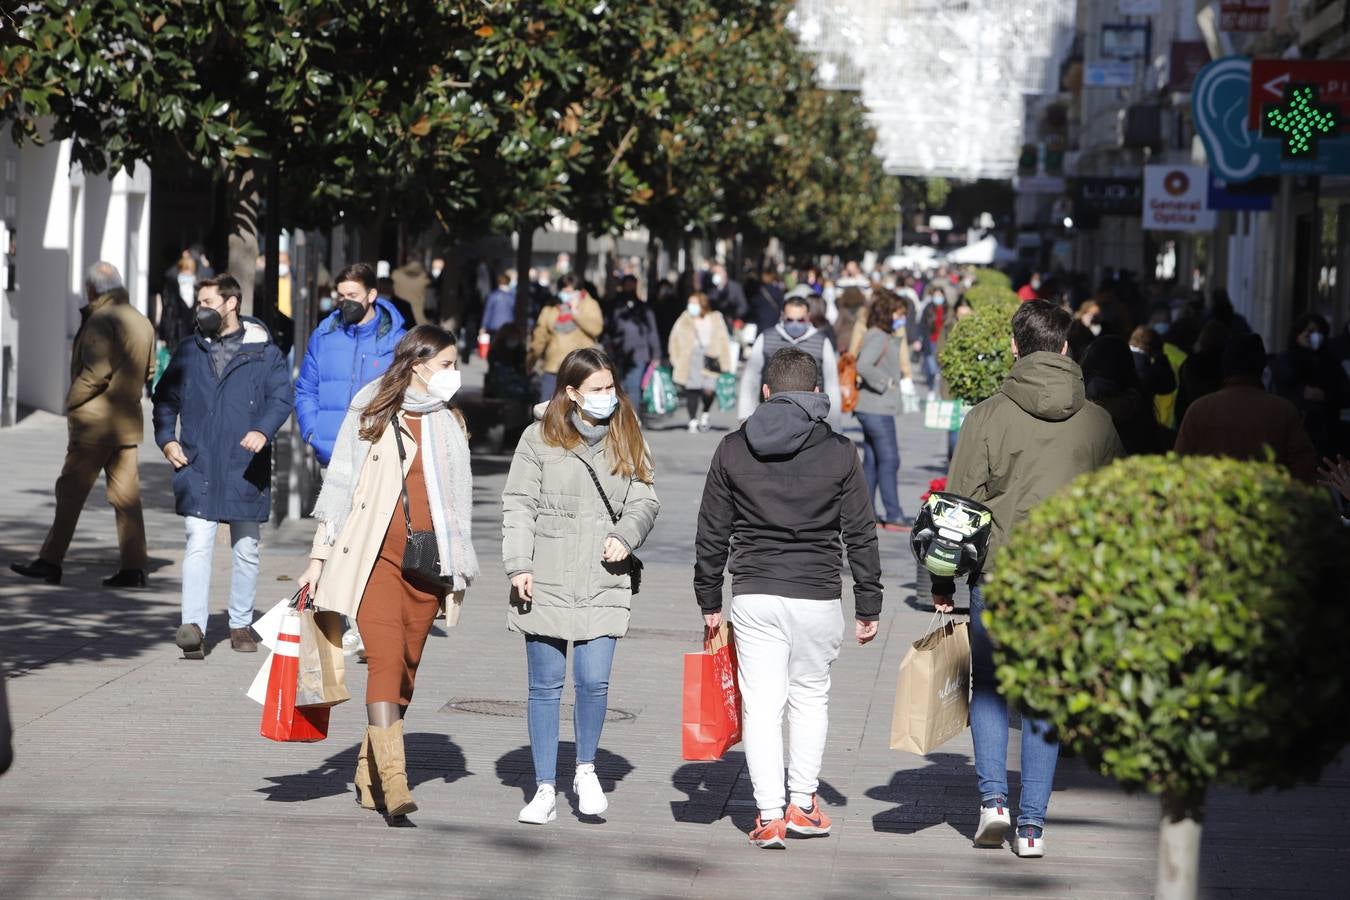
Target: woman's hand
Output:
[(614, 551), (1336, 475), (310, 577), (524, 585)]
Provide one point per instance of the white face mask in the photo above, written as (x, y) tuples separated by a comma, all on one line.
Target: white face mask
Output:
[(1095, 329), (600, 406), (1315, 340), (186, 287), (283, 271), (719, 280), (443, 384), (694, 310)]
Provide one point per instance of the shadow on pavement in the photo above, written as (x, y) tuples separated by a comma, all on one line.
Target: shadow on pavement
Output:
[(923, 800), (708, 786), (430, 757), (516, 768)]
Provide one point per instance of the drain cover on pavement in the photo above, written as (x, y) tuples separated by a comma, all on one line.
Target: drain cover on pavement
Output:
[(515, 709)]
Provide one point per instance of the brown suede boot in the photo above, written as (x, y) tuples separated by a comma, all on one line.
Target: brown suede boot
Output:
[(386, 744), (368, 792)]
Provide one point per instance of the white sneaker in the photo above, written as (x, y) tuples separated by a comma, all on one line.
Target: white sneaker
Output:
[(591, 799), (703, 425), (994, 823), (542, 809), (1030, 842), (693, 426), (352, 643)]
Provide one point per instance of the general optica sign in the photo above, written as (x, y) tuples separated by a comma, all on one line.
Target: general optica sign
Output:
[(1175, 199)]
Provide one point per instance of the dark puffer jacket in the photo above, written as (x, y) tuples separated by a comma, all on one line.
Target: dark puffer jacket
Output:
[(209, 416), (779, 495)]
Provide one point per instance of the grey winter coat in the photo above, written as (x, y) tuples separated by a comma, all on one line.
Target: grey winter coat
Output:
[(554, 525), (879, 369)]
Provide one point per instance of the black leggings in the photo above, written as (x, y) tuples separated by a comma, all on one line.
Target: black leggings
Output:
[(693, 395)]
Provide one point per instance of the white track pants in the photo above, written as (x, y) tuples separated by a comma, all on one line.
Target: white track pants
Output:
[(784, 649)]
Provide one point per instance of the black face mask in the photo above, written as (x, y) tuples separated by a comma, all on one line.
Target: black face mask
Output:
[(208, 321), (352, 311)]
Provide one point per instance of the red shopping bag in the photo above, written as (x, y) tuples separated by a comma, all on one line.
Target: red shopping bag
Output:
[(711, 723), (282, 720)]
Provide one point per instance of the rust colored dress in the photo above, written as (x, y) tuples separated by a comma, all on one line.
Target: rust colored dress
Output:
[(395, 617)]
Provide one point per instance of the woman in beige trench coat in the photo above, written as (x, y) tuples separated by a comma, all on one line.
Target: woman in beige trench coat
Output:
[(400, 465)]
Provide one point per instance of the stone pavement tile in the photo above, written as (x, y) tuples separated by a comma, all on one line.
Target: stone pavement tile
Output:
[(142, 775)]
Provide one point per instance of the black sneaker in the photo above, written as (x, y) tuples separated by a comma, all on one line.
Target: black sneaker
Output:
[(1030, 841), (38, 568), (191, 641), (994, 822), (126, 578)]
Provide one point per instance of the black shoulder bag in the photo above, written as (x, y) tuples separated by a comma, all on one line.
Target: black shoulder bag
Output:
[(634, 564), (421, 554)]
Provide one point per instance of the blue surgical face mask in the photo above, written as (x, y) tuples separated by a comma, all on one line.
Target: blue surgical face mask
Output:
[(796, 329), (600, 406), (898, 324)]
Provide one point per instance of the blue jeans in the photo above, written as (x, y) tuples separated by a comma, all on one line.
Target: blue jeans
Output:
[(928, 362), (632, 385), (548, 382), (546, 659), (989, 727), (201, 542), (881, 461)]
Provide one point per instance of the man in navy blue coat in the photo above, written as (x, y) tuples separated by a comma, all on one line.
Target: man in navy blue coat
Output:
[(218, 407), (351, 347)]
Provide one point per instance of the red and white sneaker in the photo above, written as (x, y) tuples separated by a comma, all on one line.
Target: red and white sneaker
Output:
[(811, 823), (1030, 842), (994, 822), (770, 835)]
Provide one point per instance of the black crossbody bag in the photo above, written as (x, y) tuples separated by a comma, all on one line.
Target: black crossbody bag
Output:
[(421, 554), (634, 564)]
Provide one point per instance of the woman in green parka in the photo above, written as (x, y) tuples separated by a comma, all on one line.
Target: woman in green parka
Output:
[(568, 551)]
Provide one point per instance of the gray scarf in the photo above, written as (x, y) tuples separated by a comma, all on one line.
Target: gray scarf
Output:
[(445, 468)]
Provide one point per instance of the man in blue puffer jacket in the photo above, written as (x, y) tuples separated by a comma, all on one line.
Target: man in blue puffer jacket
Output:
[(351, 347), (218, 407)]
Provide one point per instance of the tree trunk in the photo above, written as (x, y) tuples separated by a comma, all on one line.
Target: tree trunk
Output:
[(244, 197), (1179, 846), (653, 260), (524, 253), (582, 258)]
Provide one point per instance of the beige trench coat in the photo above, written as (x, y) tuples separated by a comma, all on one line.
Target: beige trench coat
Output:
[(683, 339), (349, 561)]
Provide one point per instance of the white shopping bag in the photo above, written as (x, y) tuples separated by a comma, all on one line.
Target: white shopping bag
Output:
[(269, 626), (257, 691)]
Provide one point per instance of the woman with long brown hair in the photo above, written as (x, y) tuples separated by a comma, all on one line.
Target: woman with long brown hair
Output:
[(399, 472), (579, 502)]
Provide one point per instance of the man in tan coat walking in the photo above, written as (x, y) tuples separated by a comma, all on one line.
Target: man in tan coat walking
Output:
[(112, 360)]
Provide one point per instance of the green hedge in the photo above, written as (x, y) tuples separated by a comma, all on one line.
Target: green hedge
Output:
[(992, 278), (1181, 621), (977, 355)]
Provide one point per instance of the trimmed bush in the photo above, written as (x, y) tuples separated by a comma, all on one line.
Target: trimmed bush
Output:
[(1182, 622), (992, 278), (977, 355)]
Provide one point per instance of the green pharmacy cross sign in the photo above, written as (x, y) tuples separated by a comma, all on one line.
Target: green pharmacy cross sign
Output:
[(1298, 121)]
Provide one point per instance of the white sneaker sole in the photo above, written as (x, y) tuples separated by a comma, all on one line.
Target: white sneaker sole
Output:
[(528, 819), (807, 830), (993, 833), (1026, 852), (770, 844)]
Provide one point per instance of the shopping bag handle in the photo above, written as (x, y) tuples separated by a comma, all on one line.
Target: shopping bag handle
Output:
[(301, 600), (715, 639)]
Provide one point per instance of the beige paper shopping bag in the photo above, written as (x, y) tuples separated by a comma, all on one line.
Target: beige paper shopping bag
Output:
[(932, 692)]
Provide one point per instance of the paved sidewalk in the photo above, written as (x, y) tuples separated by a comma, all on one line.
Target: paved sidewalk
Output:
[(138, 774)]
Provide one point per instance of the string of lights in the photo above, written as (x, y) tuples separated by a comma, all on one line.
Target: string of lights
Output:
[(943, 80)]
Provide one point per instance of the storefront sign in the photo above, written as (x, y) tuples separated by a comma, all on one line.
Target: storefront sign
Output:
[(1184, 63), (1274, 117), (1257, 195), (1244, 15), (1108, 74), (1174, 199), (1097, 197), (1125, 42)]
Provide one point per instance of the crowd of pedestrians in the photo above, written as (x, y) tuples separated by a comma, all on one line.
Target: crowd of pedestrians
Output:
[(786, 492)]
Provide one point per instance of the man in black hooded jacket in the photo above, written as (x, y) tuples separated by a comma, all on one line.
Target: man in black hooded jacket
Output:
[(779, 495)]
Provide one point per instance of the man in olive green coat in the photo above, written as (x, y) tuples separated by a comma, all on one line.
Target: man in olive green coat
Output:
[(112, 360), (1029, 440)]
